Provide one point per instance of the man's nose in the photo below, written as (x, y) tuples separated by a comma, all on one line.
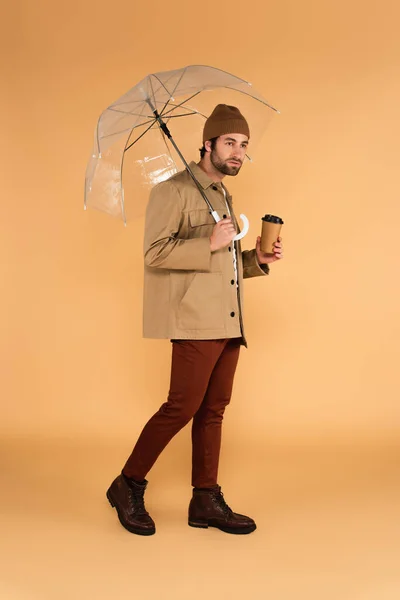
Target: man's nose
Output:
[(238, 154)]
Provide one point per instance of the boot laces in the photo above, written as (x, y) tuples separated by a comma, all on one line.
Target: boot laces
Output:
[(220, 500), (137, 498)]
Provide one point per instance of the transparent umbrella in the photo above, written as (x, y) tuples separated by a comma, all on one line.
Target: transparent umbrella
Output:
[(143, 137)]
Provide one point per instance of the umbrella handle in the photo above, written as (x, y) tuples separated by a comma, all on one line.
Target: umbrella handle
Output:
[(245, 228)]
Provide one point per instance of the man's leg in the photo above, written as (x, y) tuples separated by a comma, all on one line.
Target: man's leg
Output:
[(208, 507), (193, 362), (192, 365), (207, 422)]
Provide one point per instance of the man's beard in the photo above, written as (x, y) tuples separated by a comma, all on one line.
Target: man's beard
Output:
[(222, 166)]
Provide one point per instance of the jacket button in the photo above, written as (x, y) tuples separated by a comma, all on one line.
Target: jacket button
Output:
[(214, 187), (230, 249), (224, 216), (232, 314), (232, 281)]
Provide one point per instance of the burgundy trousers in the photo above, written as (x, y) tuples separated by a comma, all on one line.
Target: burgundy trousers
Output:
[(202, 375)]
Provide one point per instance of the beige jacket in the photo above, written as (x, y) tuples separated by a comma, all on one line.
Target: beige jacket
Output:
[(189, 291)]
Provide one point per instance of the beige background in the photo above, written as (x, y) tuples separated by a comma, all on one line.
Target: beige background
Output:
[(316, 392)]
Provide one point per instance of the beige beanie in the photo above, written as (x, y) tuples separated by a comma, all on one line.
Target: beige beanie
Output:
[(225, 119)]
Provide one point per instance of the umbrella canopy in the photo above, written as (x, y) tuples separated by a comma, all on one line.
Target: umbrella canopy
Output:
[(131, 152)]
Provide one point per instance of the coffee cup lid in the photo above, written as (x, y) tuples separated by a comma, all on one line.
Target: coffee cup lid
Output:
[(272, 219)]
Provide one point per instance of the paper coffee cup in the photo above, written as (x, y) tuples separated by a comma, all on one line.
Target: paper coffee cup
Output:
[(271, 228)]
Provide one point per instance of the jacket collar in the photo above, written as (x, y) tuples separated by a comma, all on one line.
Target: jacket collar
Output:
[(201, 177), (204, 179)]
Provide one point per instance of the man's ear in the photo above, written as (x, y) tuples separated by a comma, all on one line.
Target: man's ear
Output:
[(207, 145)]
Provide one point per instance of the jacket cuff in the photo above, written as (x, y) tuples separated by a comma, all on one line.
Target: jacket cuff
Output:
[(251, 266)]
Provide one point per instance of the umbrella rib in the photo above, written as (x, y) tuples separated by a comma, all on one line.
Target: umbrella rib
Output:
[(162, 84), (178, 82), (158, 79), (124, 112), (154, 96), (103, 137), (134, 114), (138, 138), (180, 104), (126, 102), (137, 115), (251, 96), (221, 71), (172, 95), (194, 111), (185, 115), (168, 92)]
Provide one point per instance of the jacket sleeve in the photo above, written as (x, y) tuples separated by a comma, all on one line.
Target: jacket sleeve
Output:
[(251, 267), (163, 249)]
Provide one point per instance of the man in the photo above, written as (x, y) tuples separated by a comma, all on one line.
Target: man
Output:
[(193, 296)]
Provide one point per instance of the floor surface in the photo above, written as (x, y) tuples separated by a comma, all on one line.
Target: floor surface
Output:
[(328, 527)]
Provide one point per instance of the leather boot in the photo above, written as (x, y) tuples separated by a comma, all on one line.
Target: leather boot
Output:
[(127, 497), (208, 509)]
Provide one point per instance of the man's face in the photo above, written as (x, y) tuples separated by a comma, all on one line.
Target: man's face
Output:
[(229, 153)]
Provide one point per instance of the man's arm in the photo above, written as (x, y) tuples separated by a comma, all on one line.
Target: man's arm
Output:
[(162, 248), (251, 266)]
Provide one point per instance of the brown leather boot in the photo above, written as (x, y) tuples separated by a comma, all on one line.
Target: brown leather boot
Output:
[(127, 496), (208, 509)]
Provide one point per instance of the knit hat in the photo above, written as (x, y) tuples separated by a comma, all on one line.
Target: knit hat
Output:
[(225, 119)]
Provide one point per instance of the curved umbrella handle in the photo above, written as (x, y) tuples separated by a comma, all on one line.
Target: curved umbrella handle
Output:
[(245, 229)]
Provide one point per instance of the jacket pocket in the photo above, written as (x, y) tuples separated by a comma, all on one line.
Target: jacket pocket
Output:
[(200, 217), (202, 304)]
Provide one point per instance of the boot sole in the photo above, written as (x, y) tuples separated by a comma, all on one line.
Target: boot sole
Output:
[(233, 530), (124, 523)]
